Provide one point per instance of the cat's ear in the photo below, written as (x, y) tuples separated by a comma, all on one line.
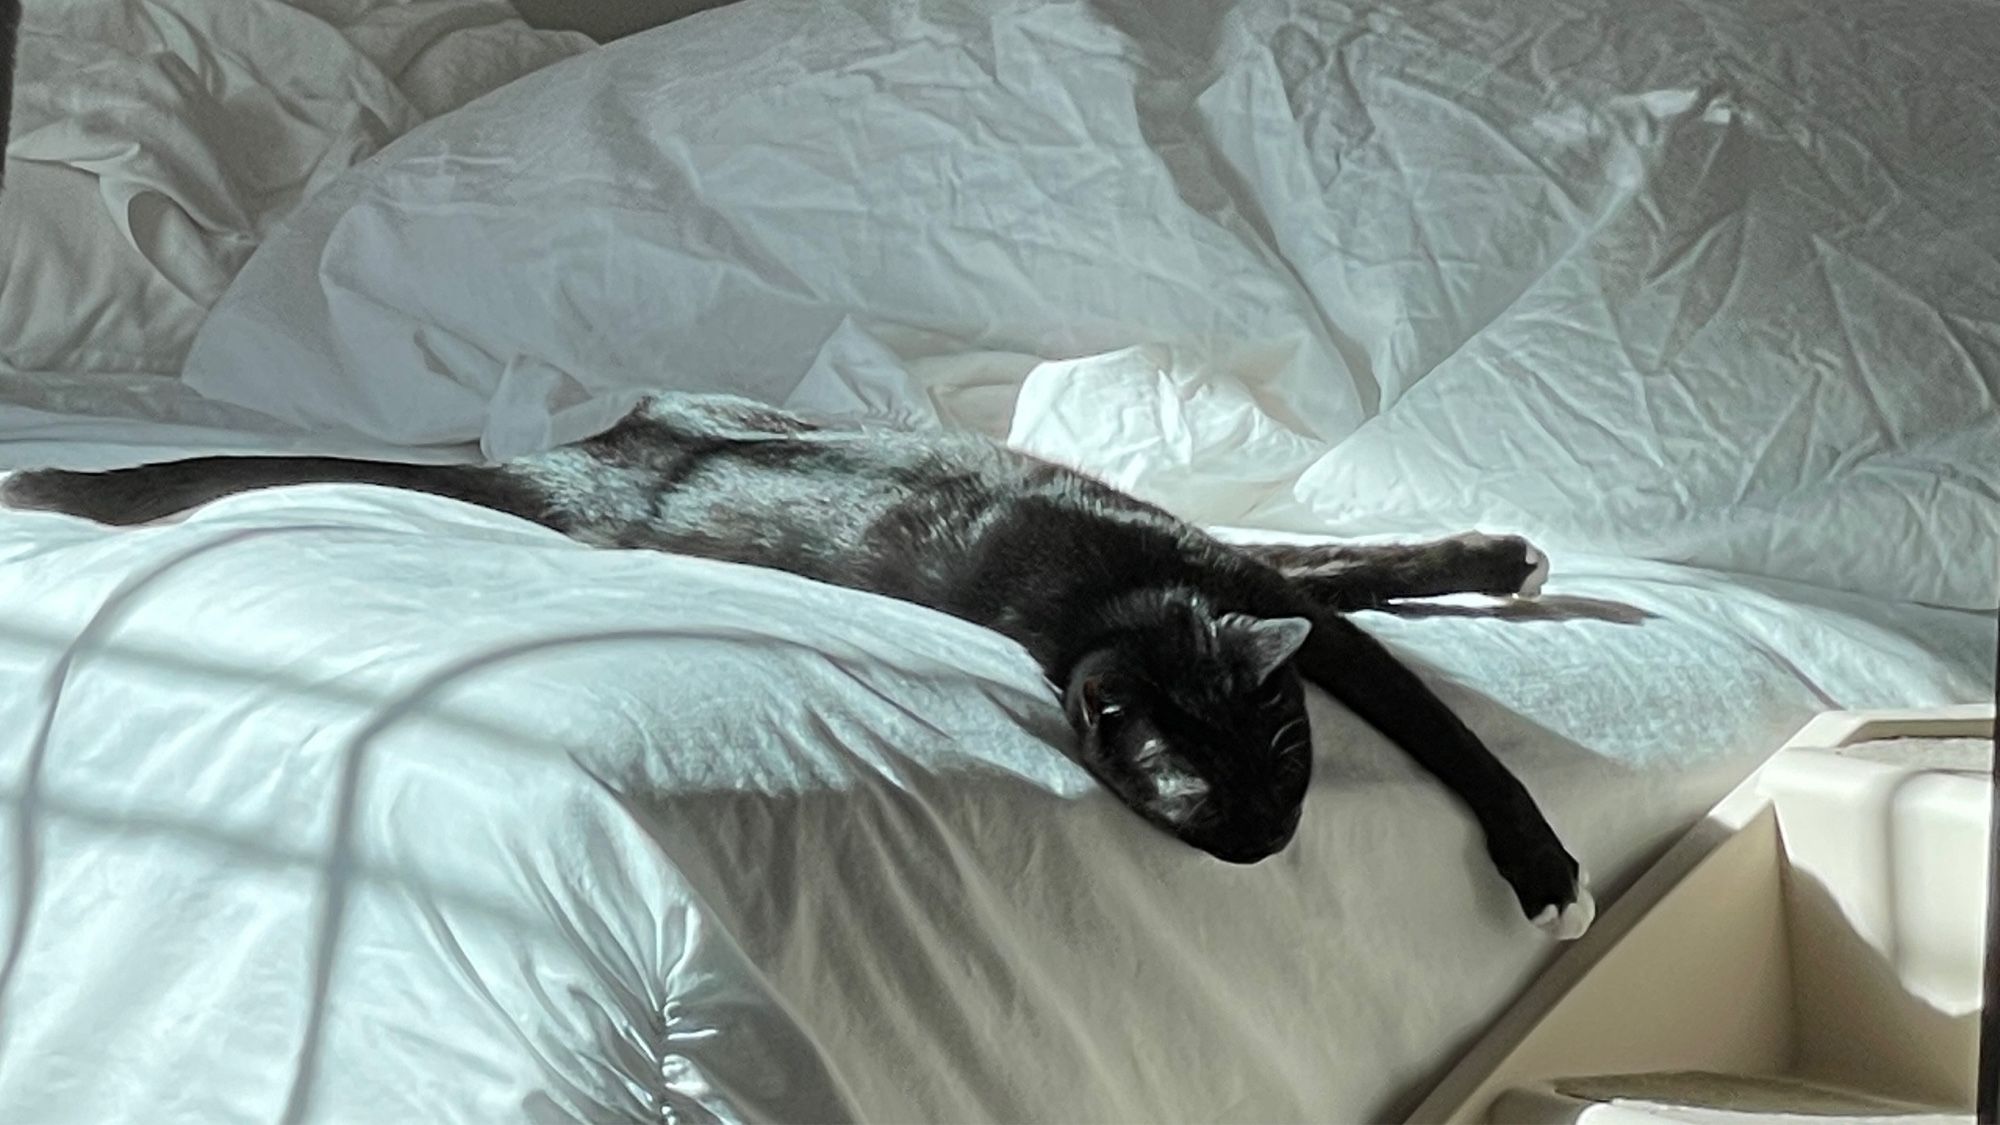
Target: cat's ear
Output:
[(1268, 641)]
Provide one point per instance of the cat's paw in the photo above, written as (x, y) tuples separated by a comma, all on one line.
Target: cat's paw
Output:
[(1510, 565), (1552, 888), (1538, 572), (1569, 922)]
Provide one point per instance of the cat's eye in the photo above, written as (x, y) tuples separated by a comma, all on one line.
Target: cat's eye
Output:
[(1096, 708), (1110, 719)]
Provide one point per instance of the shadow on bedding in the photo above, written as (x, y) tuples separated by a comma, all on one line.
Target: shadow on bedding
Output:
[(1548, 607)]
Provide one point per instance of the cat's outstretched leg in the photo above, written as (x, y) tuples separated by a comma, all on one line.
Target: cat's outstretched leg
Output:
[(1554, 892), (1346, 577)]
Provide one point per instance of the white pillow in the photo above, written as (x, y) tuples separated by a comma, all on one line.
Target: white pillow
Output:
[(155, 141), (1584, 271), (1193, 441), (74, 295), (704, 205)]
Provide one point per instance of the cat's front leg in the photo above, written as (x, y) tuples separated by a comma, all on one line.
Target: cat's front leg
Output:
[(1552, 888), (1358, 576)]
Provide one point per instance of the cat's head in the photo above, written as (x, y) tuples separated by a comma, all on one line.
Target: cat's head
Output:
[(1196, 720)]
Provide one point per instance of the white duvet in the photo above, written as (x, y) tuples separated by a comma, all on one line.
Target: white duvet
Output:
[(342, 804)]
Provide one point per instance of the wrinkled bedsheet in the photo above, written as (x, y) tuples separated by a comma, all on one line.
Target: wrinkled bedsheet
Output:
[(342, 804)]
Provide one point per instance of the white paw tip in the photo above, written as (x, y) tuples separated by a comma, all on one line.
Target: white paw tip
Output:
[(1531, 586), (1569, 923)]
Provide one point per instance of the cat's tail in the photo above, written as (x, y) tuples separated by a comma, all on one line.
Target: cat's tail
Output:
[(10, 24), (149, 492)]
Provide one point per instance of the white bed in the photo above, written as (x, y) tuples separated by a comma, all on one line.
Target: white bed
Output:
[(343, 804), (461, 821)]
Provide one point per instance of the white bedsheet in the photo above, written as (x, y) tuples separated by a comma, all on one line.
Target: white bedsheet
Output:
[(379, 807)]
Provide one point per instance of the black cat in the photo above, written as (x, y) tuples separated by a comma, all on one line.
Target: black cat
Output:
[(1178, 658)]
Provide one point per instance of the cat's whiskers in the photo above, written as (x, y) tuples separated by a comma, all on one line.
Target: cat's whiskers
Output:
[(1278, 736)]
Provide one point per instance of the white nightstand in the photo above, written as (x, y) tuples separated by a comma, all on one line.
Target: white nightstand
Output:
[(1812, 949)]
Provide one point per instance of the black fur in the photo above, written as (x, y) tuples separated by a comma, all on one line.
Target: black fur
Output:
[(10, 25), (1178, 658)]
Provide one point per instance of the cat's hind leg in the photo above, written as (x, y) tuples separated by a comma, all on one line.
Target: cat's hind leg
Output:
[(1347, 576)]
